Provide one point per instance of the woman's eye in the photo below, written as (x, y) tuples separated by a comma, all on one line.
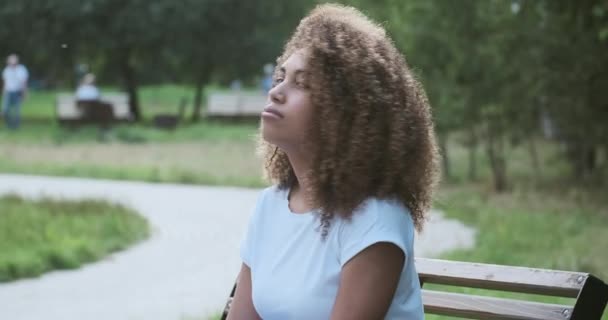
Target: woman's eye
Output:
[(277, 81)]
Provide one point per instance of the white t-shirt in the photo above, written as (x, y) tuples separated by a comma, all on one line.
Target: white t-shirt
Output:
[(14, 78), (87, 92), (295, 274)]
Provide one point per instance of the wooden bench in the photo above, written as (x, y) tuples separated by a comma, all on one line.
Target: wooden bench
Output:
[(170, 121), (68, 112), (589, 293), (235, 104)]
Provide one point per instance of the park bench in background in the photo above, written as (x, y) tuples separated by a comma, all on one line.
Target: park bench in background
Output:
[(589, 292), (169, 121), (235, 104), (67, 111)]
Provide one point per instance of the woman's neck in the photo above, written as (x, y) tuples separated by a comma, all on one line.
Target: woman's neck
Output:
[(299, 193)]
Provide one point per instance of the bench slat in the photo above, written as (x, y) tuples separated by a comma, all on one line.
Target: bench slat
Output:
[(477, 307), (488, 276)]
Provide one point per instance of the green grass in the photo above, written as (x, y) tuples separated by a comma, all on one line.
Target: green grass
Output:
[(43, 235), (52, 133), (209, 152), (216, 316), (135, 173), (532, 229), (39, 105)]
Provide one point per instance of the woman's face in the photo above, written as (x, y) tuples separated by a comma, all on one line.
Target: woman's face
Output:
[(287, 117)]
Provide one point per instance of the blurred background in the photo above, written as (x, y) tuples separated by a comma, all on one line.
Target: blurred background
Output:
[(518, 90)]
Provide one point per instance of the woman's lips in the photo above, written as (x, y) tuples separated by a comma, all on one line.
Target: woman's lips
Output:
[(270, 112)]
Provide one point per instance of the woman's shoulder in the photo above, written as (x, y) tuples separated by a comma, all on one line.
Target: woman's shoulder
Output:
[(269, 199), (382, 208), (382, 213), (376, 220)]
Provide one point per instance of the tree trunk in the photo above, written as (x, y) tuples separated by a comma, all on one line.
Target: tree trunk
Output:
[(534, 158), (588, 160), (445, 159), (128, 73), (495, 151), (201, 81), (582, 156), (472, 154), (573, 152), (198, 98)]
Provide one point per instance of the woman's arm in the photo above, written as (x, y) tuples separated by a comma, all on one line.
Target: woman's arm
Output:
[(368, 283), (242, 305)]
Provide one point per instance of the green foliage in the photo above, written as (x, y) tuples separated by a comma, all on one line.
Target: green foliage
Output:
[(205, 131), (43, 235), (161, 40), (148, 42), (495, 69), (491, 68)]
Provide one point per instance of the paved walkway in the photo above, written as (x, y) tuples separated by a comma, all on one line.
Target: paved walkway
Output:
[(183, 271)]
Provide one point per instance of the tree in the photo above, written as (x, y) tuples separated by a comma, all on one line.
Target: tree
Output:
[(232, 38)]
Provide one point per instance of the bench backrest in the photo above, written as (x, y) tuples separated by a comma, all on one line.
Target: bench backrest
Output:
[(235, 104), (590, 293), (67, 109)]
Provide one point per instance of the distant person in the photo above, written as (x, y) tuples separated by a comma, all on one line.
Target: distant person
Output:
[(14, 77), (94, 110), (87, 91)]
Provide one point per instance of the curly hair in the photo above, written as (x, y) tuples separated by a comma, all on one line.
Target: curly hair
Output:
[(373, 136)]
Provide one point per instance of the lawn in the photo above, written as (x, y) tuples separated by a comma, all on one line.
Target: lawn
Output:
[(206, 153), (37, 236), (532, 229)]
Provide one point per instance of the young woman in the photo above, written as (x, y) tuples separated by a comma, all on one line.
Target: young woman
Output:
[(348, 140)]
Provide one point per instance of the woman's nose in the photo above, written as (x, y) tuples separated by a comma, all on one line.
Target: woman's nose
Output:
[(276, 95)]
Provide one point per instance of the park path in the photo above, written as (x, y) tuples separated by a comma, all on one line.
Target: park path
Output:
[(183, 271)]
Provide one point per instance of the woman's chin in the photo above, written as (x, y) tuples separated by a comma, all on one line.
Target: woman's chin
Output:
[(268, 135)]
